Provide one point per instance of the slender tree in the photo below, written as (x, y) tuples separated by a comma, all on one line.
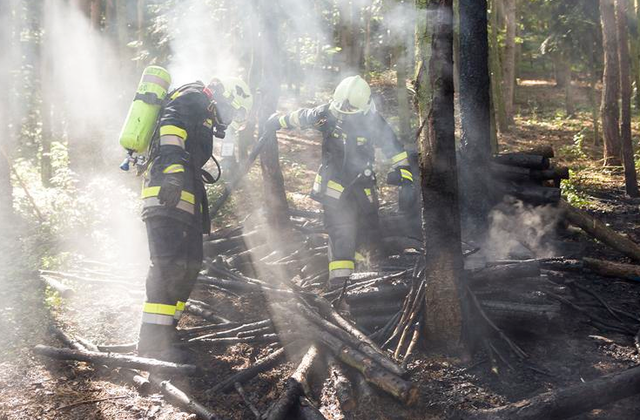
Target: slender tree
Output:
[(8, 38), (401, 59), (439, 182), (275, 198), (509, 64), (496, 70), (630, 176), (609, 108)]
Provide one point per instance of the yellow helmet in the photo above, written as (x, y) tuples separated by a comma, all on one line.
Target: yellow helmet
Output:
[(237, 94), (352, 96)]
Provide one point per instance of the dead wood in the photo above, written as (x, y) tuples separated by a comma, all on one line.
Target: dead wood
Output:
[(204, 311), (247, 401), (371, 351), (545, 150), (64, 291), (510, 173), (262, 338), (553, 173), (181, 399), (567, 402), (613, 269), (231, 332), (507, 272), (523, 160), (600, 231), (116, 360), (412, 344), (118, 348), (530, 193), (366, 394), (341, 384), (247, 374), (305, 410), (382, 308), (295, 387), (383, 292)]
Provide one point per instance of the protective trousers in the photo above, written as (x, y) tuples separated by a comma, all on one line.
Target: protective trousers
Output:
[(176, 258), (350, 224)]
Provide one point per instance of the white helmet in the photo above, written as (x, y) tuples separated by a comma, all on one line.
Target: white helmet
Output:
[(352, 96), (238, 95)]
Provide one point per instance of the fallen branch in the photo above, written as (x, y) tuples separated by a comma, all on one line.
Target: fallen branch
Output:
[(178, 397), (600, 231), (568, 402), (116, 360), (64, 291), (341, 384), (247, 401)]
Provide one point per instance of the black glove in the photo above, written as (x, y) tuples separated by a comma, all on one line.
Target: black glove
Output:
[(171, 189), (273, 123), (407, 197)]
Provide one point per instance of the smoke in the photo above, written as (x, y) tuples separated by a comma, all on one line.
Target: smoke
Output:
[(517, 228)]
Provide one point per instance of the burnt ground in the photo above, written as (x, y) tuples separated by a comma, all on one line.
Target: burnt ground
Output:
[(567, 352)]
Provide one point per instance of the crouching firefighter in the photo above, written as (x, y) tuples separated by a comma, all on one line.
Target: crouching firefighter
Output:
[(175, 207), (346, 183)]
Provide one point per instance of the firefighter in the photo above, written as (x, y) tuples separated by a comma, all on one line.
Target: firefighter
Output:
[(346, 183), (175, 208)]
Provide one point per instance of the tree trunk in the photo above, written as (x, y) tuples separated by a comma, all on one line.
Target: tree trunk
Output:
[(8, 57), (441, 219), (635, 42), (404, 112), (630, 176), (475, 110), (96, 13), (275, 197), (509, 71), (496, 71), (609, 108)]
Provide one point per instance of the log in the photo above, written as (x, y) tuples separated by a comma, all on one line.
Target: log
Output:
[(64, 291), (382, 308), (245, 375), (510, 173), (613, 269), (553, 173), (181, 399), (341, 384), (530, 193), (567, 402), (233, 331), (384, 292), (600, 231), (118, 348), (523, 160), (295, 387), (371, 351), (545, 150), (117, 360), (519, 315), (197, 308), (505, 272)]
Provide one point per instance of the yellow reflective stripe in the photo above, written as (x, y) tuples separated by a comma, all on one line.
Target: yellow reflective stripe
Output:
[(180, 306), (406, 174), (397, 158), (154, 191), (360, 257), (294, 119), (159, 309), (173, 169), (172, 141), (172, 130), (283, 122), (175, 95), (342, 264), (335, 186), (367, 191), (208, 123), (318, 178)]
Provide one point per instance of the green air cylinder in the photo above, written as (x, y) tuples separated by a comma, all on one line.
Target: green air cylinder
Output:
[(143, 114)]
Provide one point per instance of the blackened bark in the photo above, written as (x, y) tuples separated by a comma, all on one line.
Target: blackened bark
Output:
[(475, 110), (441, 221), (275, 198), (630, 176), (609, 108)]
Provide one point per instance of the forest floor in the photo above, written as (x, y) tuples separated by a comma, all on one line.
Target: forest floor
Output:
[(570, 352)]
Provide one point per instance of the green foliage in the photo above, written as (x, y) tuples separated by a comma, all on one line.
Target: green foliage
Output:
[(572, 193)]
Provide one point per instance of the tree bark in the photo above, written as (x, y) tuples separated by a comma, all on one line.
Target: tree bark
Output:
[(275, 197), (8, 56), (609, 108), (475, 111), (630, 176), (439, 183), (509, 70)]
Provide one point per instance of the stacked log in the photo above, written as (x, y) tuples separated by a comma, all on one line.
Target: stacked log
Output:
[(529, 176)]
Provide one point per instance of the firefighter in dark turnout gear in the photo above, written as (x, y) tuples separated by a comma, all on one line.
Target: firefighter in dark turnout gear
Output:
[(175, 207), (346, 184)]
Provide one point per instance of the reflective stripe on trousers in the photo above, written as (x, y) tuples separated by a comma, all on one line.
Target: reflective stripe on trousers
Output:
[(341, 268), (158, 313)]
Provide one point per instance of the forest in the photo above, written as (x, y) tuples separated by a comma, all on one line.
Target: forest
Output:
[(469, 247)]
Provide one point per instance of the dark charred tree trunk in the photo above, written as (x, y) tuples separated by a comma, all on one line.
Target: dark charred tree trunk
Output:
[(475, 110), (441, 221), (630, 176), (496, 71), (275, 198), (609, 108)]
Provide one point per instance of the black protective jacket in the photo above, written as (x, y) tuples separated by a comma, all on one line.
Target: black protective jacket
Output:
[(348, 149), (184, 143)]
